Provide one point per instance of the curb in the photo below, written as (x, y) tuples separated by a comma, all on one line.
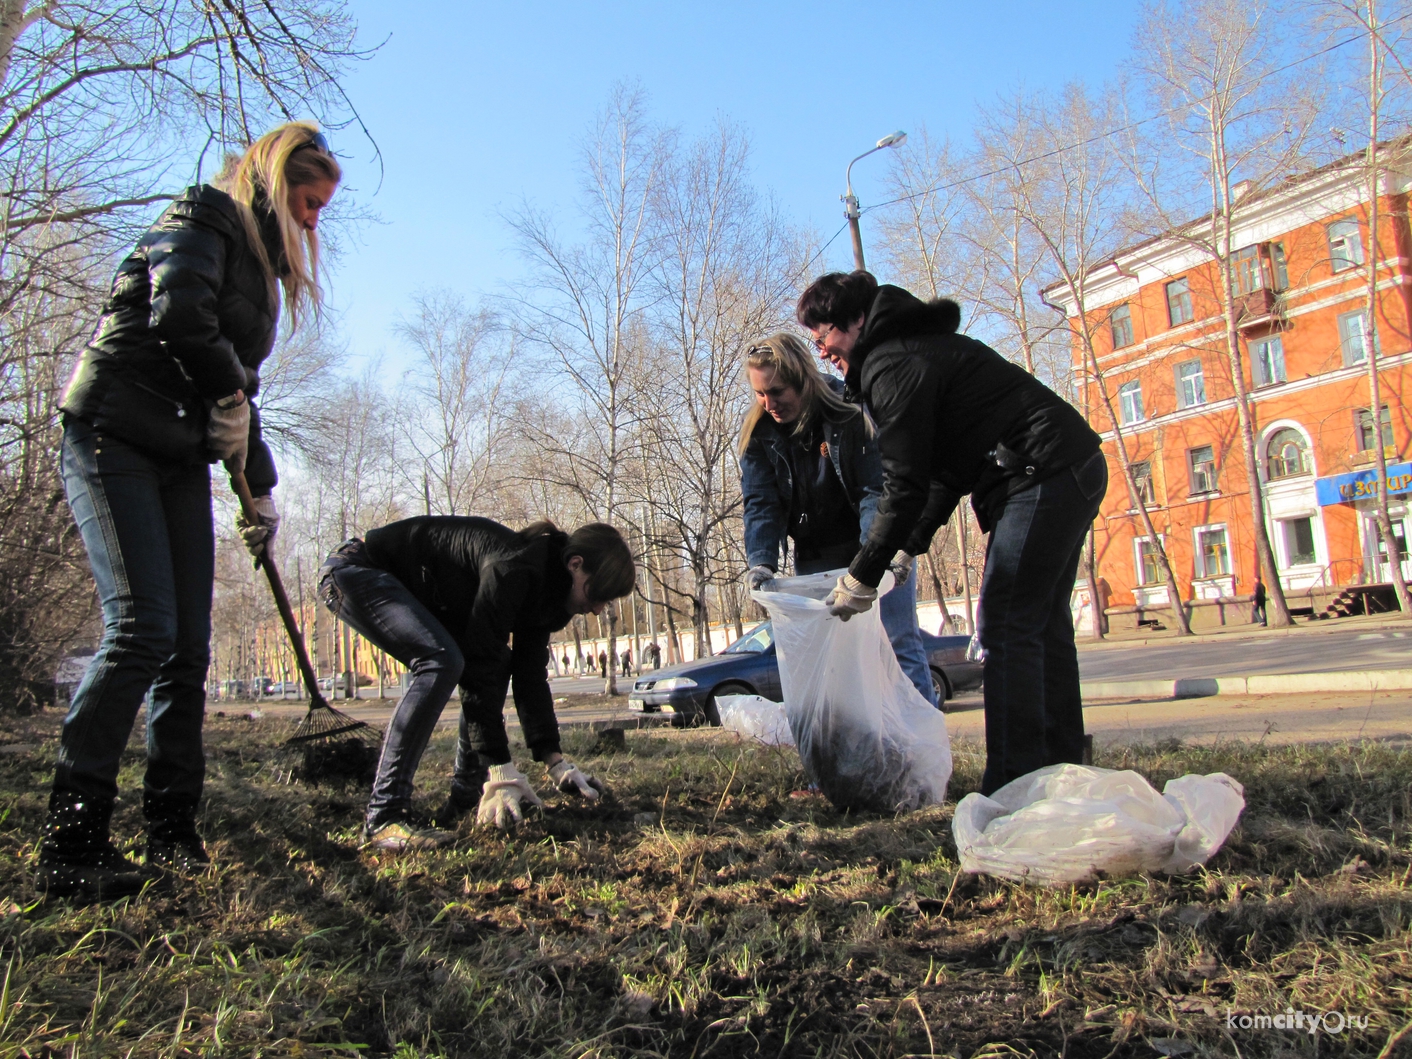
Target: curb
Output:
[(1355, 680)]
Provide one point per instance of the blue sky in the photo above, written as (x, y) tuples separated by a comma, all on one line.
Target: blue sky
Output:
[(478, 107)]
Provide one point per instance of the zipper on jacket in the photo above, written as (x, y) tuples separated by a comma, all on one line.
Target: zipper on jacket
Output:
[(180, 408)]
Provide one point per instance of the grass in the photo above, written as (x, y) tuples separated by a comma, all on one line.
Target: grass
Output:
[(709, 911)]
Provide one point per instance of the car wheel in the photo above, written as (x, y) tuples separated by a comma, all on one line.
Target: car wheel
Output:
[(942, 687), (713, 713)]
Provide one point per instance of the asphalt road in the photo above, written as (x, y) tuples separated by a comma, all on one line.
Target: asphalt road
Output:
[(1299, 652)]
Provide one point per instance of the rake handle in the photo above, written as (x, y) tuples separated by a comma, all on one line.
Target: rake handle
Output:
[(241, 488)]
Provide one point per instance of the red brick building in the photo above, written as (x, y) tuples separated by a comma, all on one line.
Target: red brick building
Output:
[(1300, 287)]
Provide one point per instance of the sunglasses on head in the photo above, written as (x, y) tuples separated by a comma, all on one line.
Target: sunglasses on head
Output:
[(317, 142)]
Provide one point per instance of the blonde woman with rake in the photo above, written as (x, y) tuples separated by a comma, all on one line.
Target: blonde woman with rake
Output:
[(162, 390)]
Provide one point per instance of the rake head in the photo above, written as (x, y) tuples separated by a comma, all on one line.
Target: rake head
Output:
[(333, 747)]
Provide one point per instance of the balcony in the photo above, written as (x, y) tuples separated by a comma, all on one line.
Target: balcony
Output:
[(1258, 308)]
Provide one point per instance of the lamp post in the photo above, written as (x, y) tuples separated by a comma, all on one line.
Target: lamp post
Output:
[(850, 200)]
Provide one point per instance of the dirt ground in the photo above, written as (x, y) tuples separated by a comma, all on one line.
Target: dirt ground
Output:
[(712, 909)]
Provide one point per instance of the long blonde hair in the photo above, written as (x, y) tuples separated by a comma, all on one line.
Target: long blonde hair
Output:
[(788, 357), (285, 157)]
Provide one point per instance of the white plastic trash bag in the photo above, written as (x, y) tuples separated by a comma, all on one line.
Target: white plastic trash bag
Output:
[(1065, 823), (755, 717), (865, 735)]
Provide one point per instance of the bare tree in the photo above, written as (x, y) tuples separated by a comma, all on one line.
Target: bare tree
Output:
[(1364, 15), (716, 288), (1068, 184), (456, 403), (1232, 116), (96, 98), (583, 307)]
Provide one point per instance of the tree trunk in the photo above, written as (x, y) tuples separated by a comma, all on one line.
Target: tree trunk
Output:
[(1370, 333), (610, 683), (1100, 619), (966, 570), (1279, 617)]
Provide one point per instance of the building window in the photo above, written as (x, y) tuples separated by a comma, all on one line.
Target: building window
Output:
[(1299, 541), (1179, 302), (1247, 272), (1286, 455), (1280, 266), (1345, 245), (1191, 384), (1213, 557), (1267, 359), (1142, 481), (1149, 570), (1122, 324), (1201, 461), (1351, 330), (1130, 401), (1363, 429)]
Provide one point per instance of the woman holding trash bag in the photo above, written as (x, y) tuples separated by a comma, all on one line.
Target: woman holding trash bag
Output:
[(808, 469), (954, 417), (164, 388), (444, 595)]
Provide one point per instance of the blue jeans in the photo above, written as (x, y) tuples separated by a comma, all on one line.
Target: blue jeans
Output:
[(898, 610), (382, 608), (1033, 710), (151, 544)]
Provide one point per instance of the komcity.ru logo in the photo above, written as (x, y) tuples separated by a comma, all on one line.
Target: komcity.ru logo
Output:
[(1308, 1022)]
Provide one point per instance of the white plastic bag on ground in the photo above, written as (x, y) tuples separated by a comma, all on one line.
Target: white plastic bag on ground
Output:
[(1065, 823), (865, 735), (755, 717)]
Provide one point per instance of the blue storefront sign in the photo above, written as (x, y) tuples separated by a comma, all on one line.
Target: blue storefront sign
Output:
[(1362, 485)]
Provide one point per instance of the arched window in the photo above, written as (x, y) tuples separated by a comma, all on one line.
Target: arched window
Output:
[(1287, 455)]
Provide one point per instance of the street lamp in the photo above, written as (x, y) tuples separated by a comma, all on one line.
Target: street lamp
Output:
[(850, 200)]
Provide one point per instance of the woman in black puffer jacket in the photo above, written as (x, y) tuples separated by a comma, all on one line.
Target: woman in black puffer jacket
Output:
[(163, 390), (954, 417), (445, 595)]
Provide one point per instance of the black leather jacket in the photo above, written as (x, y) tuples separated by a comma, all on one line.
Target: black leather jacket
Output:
[(189, 320), (485, 582), (953, 417)]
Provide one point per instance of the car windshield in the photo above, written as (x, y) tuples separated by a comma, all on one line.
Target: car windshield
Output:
[(757, 640)]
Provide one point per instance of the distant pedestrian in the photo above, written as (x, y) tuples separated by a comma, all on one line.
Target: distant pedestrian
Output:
[(162, 390), (1258, 613), (446, 596), (566, 663), (603, 663), (655, 651), (627, 663)]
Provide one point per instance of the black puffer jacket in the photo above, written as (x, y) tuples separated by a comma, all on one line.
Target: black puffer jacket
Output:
[(189, 320), (485, 582), (953, 417)]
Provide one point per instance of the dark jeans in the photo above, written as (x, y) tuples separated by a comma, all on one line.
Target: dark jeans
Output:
[(1033, 712), (380, 607), (151, 544)]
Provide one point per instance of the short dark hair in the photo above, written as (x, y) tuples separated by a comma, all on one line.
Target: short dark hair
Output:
[(607, 561), (837, 298)]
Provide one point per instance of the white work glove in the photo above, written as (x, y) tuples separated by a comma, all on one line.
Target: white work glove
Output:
[(901, 567), (502, 798), (570, 779), (228, 431), (849, 597), (757, 576), (259, 536)]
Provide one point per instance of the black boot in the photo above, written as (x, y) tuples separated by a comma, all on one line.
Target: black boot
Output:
[(172, 839), (464, 798), (76, 856)]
